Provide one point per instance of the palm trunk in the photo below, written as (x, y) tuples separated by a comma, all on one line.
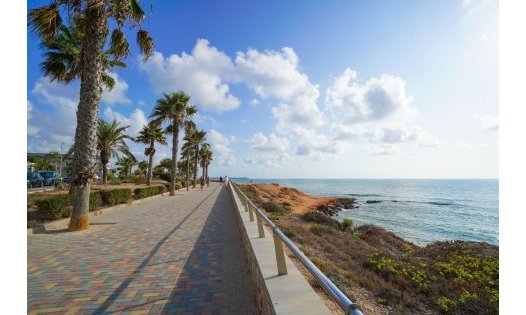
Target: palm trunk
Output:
[(175, 144), (150, 163), (104, 159), (87, 116), (187, 173), (196, 161)]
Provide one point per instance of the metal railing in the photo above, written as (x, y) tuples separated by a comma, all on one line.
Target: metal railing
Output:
[(279, 238)]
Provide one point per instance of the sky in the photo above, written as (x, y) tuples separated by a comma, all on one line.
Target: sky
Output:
[(289, 89)]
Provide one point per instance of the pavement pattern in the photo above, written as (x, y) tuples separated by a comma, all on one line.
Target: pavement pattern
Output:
[(168, 255)]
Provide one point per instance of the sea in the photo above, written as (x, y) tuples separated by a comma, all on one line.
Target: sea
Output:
[(419, 210)]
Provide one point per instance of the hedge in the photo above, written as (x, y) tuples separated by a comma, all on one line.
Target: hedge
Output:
[(57, 207), (144, 192), (115, 196)]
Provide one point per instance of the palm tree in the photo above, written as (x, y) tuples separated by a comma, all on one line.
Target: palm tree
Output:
[(110, 141), (142, 168), (205, 154), (175, 109), (62, 58), (53, 158), (187, 149), (96, 17), (149, 135), (197, 137), (187, 153), (126, 164)]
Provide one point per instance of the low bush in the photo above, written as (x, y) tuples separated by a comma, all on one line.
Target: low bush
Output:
[(346, 224), (95, 201), (55, 207), (274, 207), (144, 192), (178, 186), (115, 181), (115, 196)]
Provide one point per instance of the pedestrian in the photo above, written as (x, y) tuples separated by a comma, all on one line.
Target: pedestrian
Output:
[(201, 182), (226, 181), (220, 179)]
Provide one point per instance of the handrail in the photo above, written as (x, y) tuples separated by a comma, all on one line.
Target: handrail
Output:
[(343, 301)]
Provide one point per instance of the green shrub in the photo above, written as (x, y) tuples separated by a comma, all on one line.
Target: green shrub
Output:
[(115, 196), (166, 176), (182, 184), (346, 224), (167, 186), (95, 201), (316, 229), (144, 192), (55, 207), (446, 305), (178, 186), (274, 207)]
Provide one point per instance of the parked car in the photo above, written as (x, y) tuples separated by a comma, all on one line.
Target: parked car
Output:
[(50, 177), (34, 179), (68, 178)]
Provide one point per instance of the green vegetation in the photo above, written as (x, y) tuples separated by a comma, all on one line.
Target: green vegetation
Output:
[(144, 192), (115, 196), (57, 207), (274, 207)]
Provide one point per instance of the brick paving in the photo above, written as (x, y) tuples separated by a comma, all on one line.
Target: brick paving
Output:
[(169, 255)]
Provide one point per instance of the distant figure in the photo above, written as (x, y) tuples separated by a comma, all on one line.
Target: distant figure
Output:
[(207, 181), (226, 181), (201, 182), (220, 179)]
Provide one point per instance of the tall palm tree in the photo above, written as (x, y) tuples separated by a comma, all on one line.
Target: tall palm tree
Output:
[(126, 164), (187, 154), (150, 134), (197, 137), (187, 149), (175, 109), (205, 154), (98, 17), (110, 141)]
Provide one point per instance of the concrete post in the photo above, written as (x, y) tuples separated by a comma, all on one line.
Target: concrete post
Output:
[(251, 214), (280, 255), (261, 230)]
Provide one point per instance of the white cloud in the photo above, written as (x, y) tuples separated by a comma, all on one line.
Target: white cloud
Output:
[(136, 120), (272, 73), (379, 99), (254, 103), (117, 94), (488, 121), (201, 75), (223, 154), (272, 143), (267, 159)]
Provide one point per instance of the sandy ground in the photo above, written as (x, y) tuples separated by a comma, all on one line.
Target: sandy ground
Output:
[(298, 202)]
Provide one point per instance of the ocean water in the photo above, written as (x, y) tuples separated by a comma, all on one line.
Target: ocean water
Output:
[(419, 210)]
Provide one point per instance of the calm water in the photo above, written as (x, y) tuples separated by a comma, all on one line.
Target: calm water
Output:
[(421, 211)]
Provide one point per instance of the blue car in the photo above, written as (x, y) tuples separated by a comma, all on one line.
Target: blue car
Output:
[(34, 179), (50, 177)]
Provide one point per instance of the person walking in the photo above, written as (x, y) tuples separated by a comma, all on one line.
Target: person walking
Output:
[(201, 182), (220, 179), (226, 181)]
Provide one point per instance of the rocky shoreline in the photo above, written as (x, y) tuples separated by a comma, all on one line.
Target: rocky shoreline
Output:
[(332, 208)]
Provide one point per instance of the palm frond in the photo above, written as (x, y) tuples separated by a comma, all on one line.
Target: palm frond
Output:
[(45, 21), (145, 43), (119, 46)]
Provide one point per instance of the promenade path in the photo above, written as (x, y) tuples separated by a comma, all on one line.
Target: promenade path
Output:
[(169, 255)]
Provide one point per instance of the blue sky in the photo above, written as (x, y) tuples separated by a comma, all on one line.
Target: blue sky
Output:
[(339, 89)]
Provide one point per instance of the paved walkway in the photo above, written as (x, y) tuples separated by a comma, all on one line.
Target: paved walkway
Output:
[(170, 255)]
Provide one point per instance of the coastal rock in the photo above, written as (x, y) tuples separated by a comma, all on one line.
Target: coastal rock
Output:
[(333, 208)]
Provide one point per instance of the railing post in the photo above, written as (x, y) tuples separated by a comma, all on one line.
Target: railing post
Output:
[(251, 213), (280, 255), (261, 230), (245, 203)]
